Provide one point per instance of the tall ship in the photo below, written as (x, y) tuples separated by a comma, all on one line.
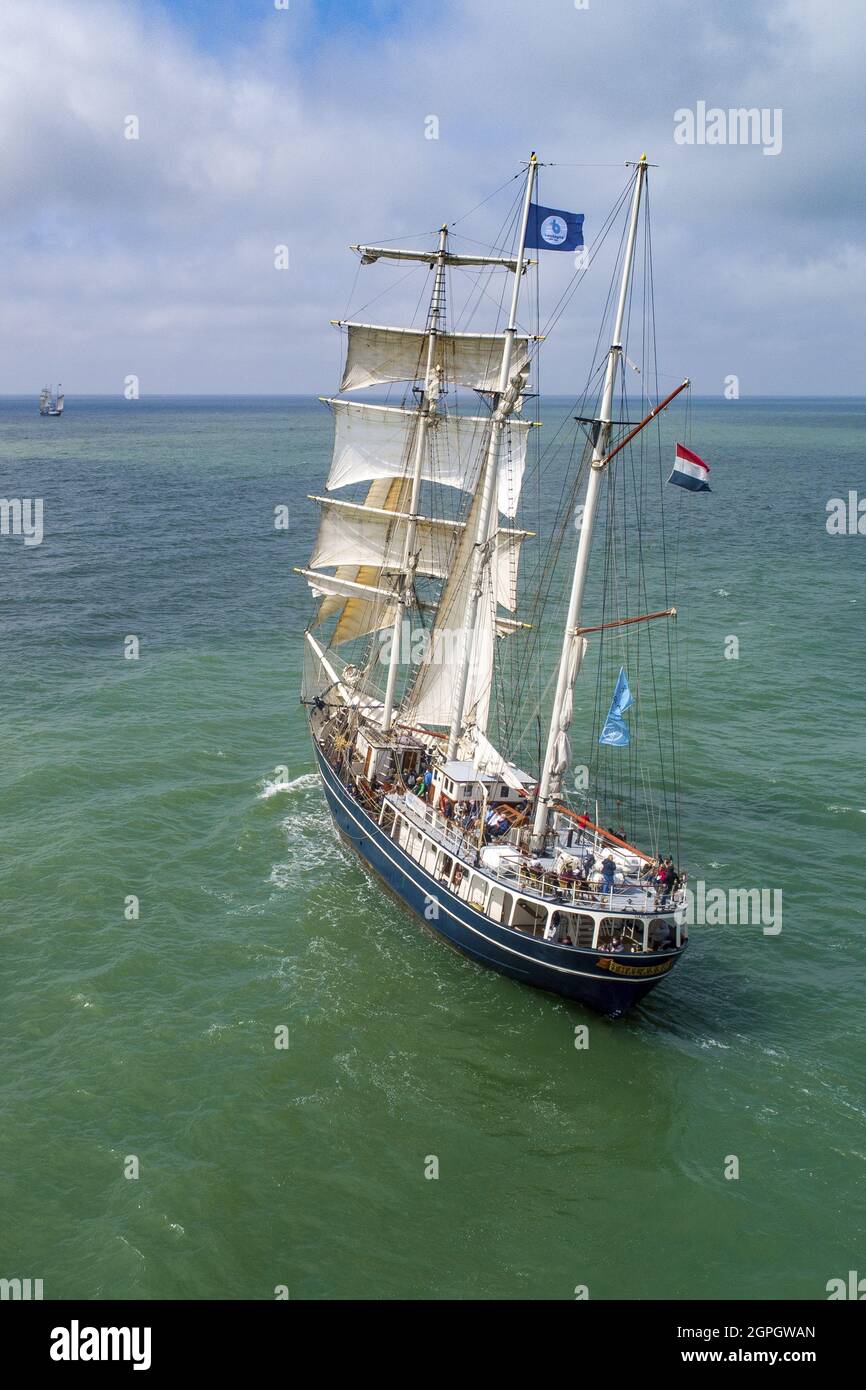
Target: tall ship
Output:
[(443, 678), (51, 401)]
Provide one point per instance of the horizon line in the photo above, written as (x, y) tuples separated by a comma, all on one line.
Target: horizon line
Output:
[(314, 395)]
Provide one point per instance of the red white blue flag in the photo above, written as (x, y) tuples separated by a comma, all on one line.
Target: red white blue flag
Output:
[(690, 471)]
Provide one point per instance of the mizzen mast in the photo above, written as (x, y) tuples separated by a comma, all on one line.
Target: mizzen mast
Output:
[(558, 753)]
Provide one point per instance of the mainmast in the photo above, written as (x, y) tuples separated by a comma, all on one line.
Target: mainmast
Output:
[(426, 409), (505, 399), (557, 755)]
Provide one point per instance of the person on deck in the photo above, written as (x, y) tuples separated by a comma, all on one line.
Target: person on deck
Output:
[(667, 879), (608, 871)]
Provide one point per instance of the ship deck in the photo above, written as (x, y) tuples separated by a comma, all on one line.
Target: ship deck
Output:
[(538, 877)]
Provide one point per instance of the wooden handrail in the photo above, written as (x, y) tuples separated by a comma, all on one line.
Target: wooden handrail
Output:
[(587, 824)]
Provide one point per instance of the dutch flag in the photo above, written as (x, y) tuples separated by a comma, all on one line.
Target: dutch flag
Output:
[(690, 471)]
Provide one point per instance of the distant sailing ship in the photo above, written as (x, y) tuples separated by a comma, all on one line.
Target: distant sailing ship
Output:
[(531, 873), (51, 402)]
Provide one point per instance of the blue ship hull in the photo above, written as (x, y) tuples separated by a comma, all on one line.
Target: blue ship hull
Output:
[(608, 984)]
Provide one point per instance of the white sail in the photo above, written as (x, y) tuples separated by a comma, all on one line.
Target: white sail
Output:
[(377, 355), (339, 587), (375, 441), (357, 616), (431, 700), (351, 533), (432, 697)]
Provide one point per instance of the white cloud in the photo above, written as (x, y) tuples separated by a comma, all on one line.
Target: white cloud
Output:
[(156, 256)]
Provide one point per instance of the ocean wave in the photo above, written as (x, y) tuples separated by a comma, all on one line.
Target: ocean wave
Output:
[(274, 787)]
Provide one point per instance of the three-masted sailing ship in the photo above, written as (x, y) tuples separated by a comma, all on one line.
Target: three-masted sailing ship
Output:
[(51, 401), (424, 684)]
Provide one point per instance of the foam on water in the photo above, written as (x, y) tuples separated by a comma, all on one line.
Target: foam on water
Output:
[(277, 787)]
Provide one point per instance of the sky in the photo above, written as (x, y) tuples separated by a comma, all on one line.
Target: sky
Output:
[(304, 126)]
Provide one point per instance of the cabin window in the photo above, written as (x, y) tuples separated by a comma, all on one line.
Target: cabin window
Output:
[(633, 934), (529, 916), (661, 934), (477, 891), (499, 906), (575, 928), (609, 927), (585, 930), (629, 931), (565, 923)]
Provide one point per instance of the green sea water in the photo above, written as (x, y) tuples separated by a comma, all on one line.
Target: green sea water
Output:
[(305, 1166)]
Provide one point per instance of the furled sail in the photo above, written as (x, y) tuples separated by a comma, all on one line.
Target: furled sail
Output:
[(562, 747), (376, 441), (369, 254), (377, 355)]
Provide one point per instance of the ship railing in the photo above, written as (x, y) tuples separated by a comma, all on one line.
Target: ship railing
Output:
[(558, 887), (447, 834)]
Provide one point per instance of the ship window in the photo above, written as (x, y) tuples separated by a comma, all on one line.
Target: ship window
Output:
[(585, 930), (609, 927), (499, 906), (661, 934), (477, 891), (530, 916)]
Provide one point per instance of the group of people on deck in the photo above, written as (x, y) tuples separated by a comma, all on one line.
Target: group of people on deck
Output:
[(496, 823), (663, 875)]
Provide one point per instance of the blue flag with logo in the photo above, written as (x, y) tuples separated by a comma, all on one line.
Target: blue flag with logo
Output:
[(615, 731), (549, 229)]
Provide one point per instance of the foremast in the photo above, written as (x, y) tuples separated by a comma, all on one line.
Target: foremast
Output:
[(557, 754), (426, 409), (377, 548)]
